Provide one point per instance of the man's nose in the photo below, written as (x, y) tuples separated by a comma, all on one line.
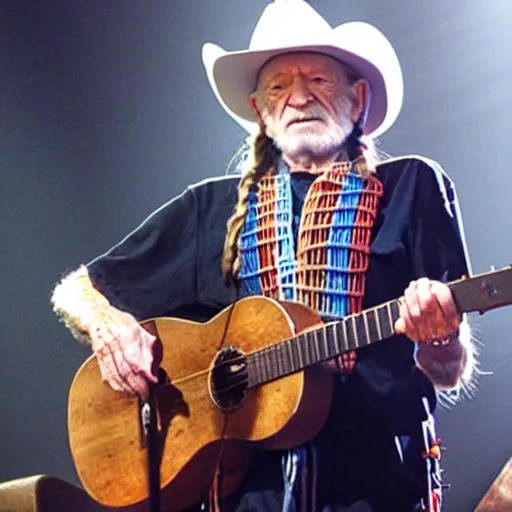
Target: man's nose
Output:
[(300, 94)]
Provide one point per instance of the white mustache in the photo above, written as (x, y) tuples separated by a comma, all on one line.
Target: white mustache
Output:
[(310, 114)]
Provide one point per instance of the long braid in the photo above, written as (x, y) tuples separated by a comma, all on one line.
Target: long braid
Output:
[(358, 151), (265, 160)]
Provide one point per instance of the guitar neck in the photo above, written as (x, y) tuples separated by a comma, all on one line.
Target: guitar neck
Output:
[(321, 344), (479, 293)]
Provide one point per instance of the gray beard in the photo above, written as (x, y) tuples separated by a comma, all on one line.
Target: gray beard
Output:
[(321, 147), (311, 145)]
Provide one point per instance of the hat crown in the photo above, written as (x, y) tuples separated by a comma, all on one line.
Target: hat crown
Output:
[(289, 23)]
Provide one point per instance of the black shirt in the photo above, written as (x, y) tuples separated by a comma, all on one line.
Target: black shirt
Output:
[(170, 266)]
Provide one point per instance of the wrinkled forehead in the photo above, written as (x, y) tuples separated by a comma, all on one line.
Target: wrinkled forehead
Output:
[(303, 62)]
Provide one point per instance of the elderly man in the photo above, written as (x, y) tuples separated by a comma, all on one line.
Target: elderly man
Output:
[(316, 220)]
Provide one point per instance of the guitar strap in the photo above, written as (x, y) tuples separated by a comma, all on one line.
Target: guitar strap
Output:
[(216, 489), (218, 478), (150, 429)]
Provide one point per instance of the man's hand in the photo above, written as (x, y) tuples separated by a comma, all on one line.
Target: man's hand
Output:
[(427, 312), (124, 351)]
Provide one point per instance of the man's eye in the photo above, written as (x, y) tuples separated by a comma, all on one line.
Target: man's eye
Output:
[(276, 87), (319, 80)]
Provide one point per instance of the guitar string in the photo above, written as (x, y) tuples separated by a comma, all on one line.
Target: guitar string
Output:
[(273, 345), (453, 286)]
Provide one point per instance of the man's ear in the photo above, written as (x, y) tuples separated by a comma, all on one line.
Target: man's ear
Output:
[(254, 107), (361, 98)]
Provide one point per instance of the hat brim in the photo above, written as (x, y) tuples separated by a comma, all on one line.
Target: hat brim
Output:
[(235, 76)]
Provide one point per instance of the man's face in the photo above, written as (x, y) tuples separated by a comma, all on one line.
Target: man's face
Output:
[(306, 104)]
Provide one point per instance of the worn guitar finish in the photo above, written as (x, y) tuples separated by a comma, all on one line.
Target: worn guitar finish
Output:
[(258, 372)]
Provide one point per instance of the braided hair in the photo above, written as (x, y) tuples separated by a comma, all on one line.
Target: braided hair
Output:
[(266, 161), (358, 151)]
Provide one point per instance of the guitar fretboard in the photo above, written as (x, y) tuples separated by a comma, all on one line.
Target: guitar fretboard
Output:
[(478, 293), (323, 343)]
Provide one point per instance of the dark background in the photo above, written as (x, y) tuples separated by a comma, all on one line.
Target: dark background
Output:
[(105, 113)]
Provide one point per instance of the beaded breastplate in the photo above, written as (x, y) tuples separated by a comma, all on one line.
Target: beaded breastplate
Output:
[(324, 268)]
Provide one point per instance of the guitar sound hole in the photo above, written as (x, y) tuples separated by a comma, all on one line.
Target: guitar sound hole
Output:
[(229, 378)]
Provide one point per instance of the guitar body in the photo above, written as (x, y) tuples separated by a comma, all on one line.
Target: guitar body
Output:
[(105, 431)]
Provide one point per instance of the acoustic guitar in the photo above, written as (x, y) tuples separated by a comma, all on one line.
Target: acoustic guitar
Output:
[(256, 375)]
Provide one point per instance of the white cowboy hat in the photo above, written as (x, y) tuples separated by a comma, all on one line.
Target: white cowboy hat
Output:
[(293, 25)]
